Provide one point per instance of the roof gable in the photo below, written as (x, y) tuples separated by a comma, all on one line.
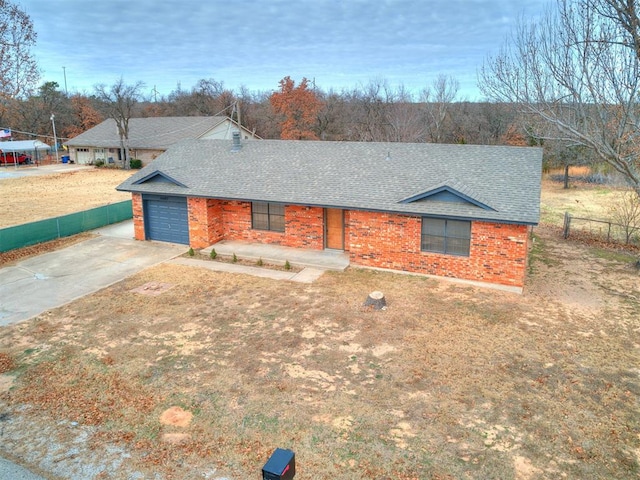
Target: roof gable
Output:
[(446, 193), (158, 177)]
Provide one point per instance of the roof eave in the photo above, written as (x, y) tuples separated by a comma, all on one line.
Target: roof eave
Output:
[(505, 219)]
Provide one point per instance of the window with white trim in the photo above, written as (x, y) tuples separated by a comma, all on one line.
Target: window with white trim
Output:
[(452, 237)]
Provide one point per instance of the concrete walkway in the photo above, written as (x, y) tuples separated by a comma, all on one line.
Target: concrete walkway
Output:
[(306, 275)]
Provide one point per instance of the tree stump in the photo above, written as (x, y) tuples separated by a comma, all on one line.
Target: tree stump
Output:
[(376, 300)]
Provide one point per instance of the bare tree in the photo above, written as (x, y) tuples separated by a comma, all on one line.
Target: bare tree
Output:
[(625, 211), (369, 113), (332, 117), (18, 68), (438, 99), (380, 113), (578, 70), (119, 101), (405, 121)]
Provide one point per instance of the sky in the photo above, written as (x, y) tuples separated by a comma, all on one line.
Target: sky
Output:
[(338, 44)]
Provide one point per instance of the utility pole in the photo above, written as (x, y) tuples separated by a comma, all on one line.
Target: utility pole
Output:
[(64, 70), (55, 138), (238, 114)]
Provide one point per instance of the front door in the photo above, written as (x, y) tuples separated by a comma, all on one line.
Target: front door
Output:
[(334, 228)]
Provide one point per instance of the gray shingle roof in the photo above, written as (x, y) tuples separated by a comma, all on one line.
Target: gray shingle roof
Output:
[(147, 133), (355, 175)]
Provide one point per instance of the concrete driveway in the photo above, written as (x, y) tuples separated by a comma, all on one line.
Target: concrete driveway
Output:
[(40, 283), (47, 281), (11, 171)]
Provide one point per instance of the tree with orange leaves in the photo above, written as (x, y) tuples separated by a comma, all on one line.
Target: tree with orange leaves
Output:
[(85, 116), (514, 137), (298, 108)]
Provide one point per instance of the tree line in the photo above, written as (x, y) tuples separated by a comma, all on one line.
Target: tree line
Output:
[(374, 112)]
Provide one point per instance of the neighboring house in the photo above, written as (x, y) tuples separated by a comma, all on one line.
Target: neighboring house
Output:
[(460, 211), (148, 137)]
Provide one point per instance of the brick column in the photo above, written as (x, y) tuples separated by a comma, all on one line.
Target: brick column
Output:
[(138, 216)]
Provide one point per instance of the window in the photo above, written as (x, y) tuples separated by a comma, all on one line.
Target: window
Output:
[(452, 237), (267, 216)]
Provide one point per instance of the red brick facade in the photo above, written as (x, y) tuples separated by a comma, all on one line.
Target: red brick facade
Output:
[(498, 252), (213, 220), (138, 217)]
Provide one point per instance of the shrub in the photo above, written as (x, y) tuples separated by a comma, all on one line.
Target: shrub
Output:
[(234, 259), (625, 211), (287, 265), (191, 252), (213, 254), (135, 163), (99, 163), (260, 262)]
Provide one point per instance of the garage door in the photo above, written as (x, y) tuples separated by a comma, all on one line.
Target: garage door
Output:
[(166, 219), (83, 156)]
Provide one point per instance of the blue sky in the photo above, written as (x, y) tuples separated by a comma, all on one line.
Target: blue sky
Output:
[(341, 44)]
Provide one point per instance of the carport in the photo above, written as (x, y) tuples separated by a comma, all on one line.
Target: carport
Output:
[(21, 146)]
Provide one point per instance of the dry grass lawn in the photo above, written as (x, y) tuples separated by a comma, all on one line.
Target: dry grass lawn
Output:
[(204, 378), (31, 198)]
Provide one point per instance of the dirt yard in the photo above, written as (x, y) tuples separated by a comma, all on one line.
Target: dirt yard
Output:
[(180, 372), (30, 198)]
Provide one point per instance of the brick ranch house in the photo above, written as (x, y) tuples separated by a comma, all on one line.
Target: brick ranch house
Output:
[(461, 211)]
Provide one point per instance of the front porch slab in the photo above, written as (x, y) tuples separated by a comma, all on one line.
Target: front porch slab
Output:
[(276, 254)]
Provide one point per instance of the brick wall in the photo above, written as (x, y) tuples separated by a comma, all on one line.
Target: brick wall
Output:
[(206, 225), (498, 252), (213, 220), (304, 227), (138, 217)]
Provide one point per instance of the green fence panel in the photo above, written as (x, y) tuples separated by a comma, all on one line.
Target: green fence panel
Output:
[(28, 234), (120, 211), (52, 228)]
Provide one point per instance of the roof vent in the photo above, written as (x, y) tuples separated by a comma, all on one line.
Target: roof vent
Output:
[(388, 156), (236, 146)]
